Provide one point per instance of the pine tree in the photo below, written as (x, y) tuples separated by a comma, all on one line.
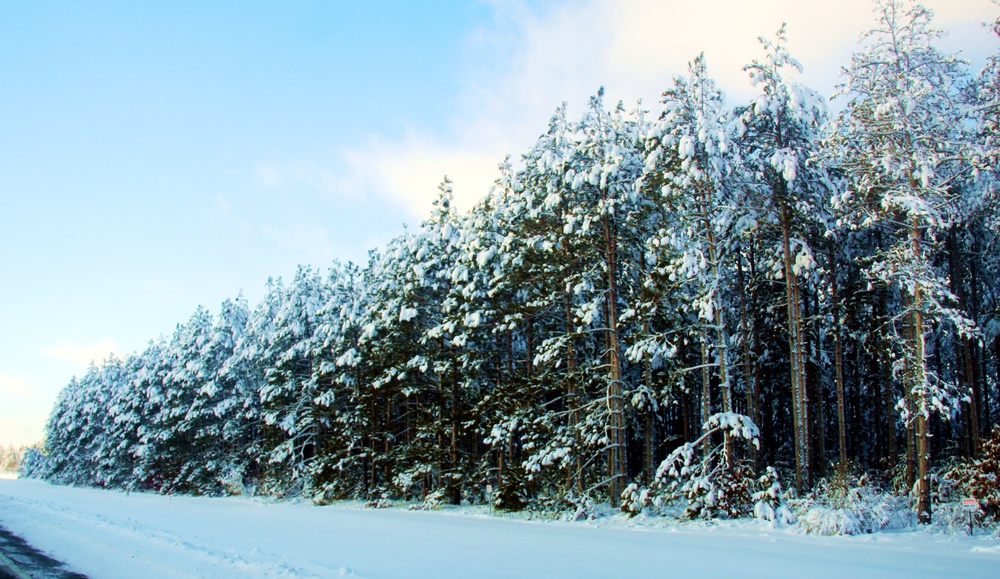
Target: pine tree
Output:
[(778, 136), (899, 140), (288, 396), (688, 168)]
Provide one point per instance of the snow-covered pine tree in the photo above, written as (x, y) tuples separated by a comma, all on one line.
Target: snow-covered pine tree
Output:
[(406, 304), (115, 455), (688, 166), (384, 345), (180, 458), (473, 311), (900, 141), (978, 235), (778, 134), (288, 396), (441, 277), (76, 430), (345, 463), (537, 264), (607, 163), (567, 266), (148, 382), (221, 432), (248, 365)]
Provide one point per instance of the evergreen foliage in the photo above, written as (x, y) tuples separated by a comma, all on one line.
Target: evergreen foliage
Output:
[(979, 478), (631, 300)]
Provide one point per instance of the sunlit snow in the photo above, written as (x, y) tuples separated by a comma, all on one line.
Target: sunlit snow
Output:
[(108, 534)]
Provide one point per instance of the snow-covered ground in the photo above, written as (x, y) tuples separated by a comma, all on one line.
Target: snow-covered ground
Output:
[(111, 534)]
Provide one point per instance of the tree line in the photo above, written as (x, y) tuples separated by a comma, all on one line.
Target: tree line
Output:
[(10, 457), (636, 302)]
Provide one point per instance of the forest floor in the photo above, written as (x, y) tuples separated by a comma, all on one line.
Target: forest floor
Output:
[(107, 534)]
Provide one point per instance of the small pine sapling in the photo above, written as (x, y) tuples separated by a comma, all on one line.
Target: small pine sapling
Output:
[(713, 483), (769, 502)]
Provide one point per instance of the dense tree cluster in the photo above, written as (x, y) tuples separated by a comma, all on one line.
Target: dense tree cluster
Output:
[(636, 301)]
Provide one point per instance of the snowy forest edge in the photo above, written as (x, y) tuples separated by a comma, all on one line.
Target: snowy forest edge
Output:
[(762, 310)]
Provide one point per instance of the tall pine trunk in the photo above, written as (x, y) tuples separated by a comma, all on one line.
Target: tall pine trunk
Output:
[(749, 374), (919, 381), (800, 399), (573, 396), (964, 352), (720, 326), (838, 362), (616, 408)]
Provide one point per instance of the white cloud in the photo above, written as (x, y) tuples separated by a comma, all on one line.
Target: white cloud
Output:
[(81, 354), (530, 59), (408, 172), (634, 47)]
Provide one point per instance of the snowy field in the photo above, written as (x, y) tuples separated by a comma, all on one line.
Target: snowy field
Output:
[(111, 534)]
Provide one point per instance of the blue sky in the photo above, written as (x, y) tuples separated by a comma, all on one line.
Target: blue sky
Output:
[(155, 156)]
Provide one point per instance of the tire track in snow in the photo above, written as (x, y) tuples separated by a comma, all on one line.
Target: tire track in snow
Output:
[(144, 547)]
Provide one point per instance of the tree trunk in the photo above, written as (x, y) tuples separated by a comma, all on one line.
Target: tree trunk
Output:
[(720, 325), (617, 463), (686, 417), (983, 406), (814, 381), (800, 399), (923, 471), (749, 374), (996, 367), (965, 348), (706, 385), (885, 355), (573, 396), (910, 402), (454, 486), (919, 381), (648, 467), (838, 363)]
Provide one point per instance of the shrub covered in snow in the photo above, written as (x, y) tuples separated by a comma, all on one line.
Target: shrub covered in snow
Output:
[(636, 498), (379, 499), (512, 493), (980, 478), (702, 474), (769, 502), (849, 505), (433, 500)]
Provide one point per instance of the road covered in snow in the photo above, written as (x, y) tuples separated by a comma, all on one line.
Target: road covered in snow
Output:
[(113, 534)]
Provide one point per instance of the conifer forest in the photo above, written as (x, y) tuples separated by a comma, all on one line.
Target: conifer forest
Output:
[(711, 306)]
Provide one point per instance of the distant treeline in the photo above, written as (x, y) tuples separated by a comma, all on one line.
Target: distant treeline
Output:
[(825, 287), (10, 456)]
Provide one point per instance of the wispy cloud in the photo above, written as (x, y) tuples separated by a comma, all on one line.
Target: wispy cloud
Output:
[(81, 354), (408, 172), (531, 58)]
